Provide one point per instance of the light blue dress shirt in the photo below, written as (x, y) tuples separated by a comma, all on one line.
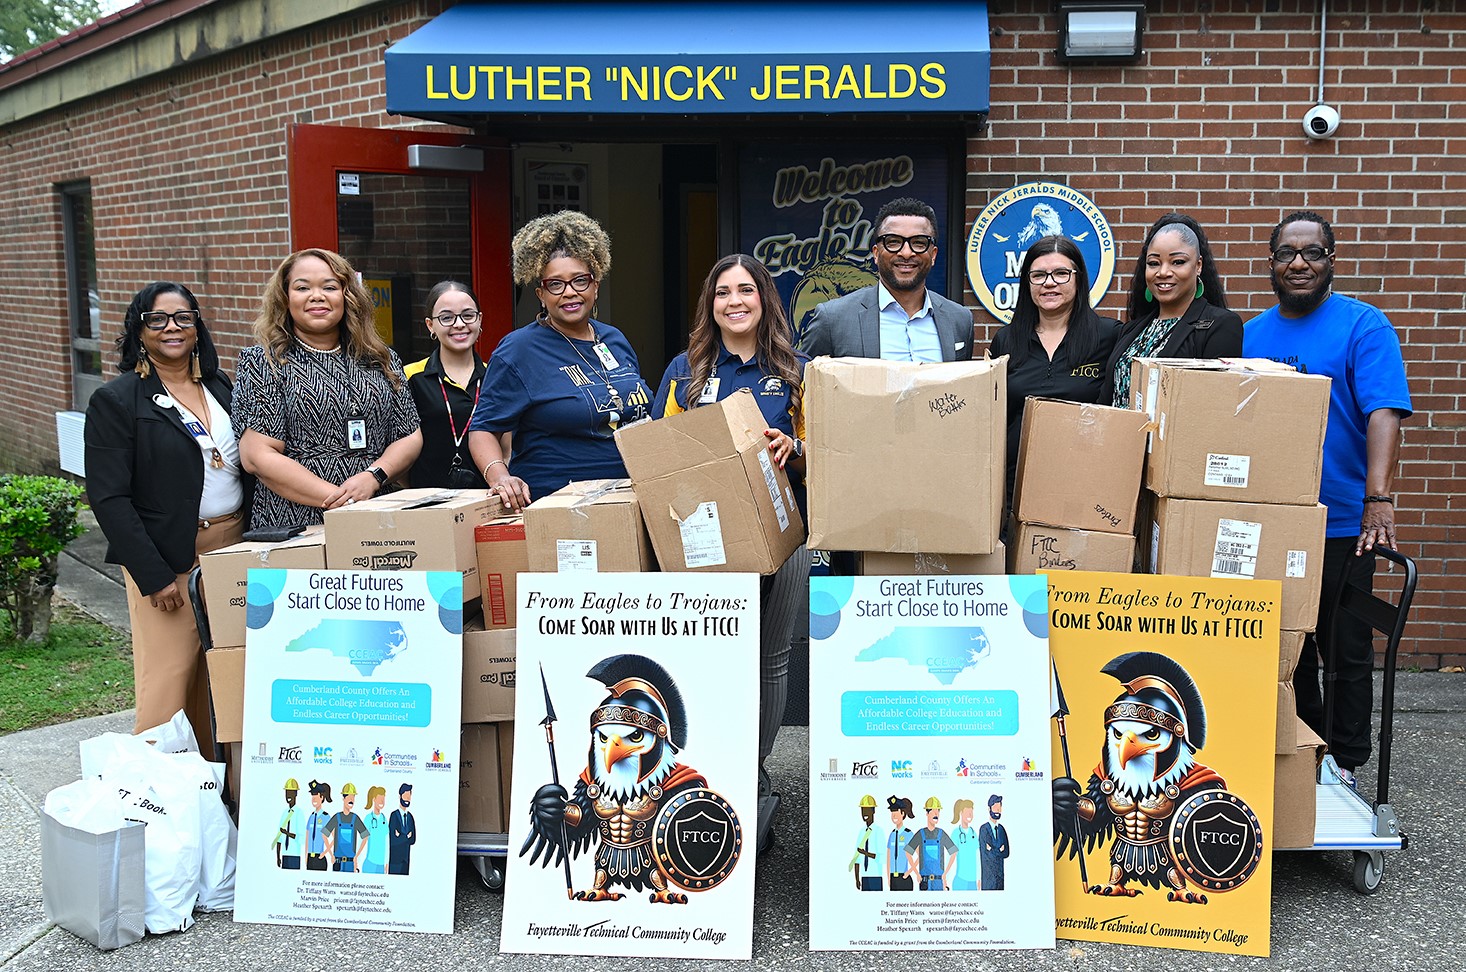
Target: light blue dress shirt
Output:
[(907, 338)]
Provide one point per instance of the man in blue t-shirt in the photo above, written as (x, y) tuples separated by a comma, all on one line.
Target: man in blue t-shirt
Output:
[(1353, 343)]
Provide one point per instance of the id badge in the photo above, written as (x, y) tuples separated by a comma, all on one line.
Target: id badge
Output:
[(608, 360), (709, 392), (356, 434)]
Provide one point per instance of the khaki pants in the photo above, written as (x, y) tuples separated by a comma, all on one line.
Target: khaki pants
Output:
[(167, 656)]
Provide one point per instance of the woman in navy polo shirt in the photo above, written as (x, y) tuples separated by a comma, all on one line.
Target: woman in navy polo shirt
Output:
[(741, 339), (562, 385)]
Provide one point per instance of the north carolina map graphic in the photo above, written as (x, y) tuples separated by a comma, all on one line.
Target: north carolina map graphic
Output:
[(942, 651), (365, 644)]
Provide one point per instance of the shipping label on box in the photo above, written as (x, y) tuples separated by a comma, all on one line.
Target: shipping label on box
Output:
[(1258, 541), (503, 554), (712, 497), (1064, 443), (1242, 431), (488, 675), (412, 529), (593, 525), (480, 800), (881, 564), (226, 572), (905, 457), (1037, 549)]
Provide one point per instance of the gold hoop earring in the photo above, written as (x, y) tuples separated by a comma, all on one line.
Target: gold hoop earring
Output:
[(543, 316)]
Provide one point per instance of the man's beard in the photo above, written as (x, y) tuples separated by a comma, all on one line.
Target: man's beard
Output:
[(1296, 303), (895, 286)]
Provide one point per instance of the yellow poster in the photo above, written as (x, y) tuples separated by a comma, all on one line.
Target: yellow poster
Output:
[(1164, 699), (381, 290)]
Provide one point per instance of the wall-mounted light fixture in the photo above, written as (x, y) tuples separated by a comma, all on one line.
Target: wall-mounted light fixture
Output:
[(1097, 33)]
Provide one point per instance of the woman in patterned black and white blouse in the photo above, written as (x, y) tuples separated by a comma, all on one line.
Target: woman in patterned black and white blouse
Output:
[(321, 404)]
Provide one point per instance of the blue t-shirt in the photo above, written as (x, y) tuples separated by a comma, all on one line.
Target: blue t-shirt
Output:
[(1354, 344), (776, 397), (563, 400)]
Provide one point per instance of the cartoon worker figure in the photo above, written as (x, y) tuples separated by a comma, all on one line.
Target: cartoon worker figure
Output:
[(930, 851), (345, 833), (995, 848), (866, 864), (965, 879), (376, 825), (401, 833), (289, 836), (896, 865), (315, 827)]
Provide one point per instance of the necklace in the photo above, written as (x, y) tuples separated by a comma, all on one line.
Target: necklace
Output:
[(615, 396), (202, 420)]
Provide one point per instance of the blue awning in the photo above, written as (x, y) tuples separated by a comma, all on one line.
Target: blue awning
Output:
[(719, 58)]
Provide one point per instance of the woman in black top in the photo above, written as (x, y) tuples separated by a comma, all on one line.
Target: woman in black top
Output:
[(445, 386), (1177, 307), (1056, 344)]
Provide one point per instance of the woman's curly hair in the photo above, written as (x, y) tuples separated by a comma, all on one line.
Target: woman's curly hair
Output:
[(567, 233)]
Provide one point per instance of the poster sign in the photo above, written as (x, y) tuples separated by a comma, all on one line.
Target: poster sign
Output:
[(808, 212), (348, 811), (929, 770), (634, 805), (1163, 731)]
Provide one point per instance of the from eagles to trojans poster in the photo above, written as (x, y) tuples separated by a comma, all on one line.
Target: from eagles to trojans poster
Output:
[(1164, 693), (636, 752)]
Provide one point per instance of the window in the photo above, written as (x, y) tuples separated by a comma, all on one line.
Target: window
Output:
[(84, 304)]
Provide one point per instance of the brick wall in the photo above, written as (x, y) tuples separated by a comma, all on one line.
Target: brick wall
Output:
[(1210, 123)]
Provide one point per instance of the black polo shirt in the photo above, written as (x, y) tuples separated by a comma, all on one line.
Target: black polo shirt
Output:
[(428, 385)]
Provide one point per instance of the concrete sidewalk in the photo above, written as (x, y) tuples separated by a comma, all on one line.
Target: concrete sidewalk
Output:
[(1319, 921)]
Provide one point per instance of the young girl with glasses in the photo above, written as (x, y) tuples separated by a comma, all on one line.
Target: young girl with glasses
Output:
[(446, 386)]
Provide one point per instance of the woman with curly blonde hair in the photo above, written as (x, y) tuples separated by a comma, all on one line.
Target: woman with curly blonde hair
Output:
[(323, 410), (562, 385)]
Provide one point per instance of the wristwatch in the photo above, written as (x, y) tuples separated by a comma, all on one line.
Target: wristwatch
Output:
[(378, 475), (798, 449)]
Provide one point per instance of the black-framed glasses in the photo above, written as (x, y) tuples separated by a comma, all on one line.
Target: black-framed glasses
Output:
[(1059, 277), (469, 317), (892, 243), (579, 283), (157, 320), (1284, 255)]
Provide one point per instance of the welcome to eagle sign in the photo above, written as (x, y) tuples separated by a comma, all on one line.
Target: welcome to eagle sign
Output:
[(634, 806)]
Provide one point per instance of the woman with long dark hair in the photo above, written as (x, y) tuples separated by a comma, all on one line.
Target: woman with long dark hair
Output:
[(164, 478), (1056, 344), (446, 386)]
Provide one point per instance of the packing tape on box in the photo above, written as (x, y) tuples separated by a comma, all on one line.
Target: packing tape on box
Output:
[(586, 499)]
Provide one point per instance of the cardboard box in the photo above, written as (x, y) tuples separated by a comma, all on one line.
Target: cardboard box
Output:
[(712, 497), (879, 564), (226, 688), (1037, 549), (506, 770), (503, 553), (1258, 541), (1238, 431), (1064, 444), (1295, 790), (1289, 652), (488, 674), (591, 525), (1287, 732), (906, 457), (412, 529), (480, 806), (226, 571)]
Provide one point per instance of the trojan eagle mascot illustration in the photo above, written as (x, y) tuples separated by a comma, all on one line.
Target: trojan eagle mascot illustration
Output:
[(653, 818), (1147, 771)]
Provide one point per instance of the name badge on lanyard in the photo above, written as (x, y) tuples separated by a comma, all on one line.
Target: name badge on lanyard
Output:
[(608, 360), (356, 433), (709, 391)]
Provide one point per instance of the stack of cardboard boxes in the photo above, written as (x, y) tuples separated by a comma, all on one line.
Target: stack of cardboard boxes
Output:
[(1075, 492), (1233, 476), (905, 463)]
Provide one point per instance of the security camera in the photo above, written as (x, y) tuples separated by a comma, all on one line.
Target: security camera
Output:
[(1321, 121)]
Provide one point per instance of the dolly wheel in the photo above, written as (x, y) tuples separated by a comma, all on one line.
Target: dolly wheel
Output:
[(1369, 871)]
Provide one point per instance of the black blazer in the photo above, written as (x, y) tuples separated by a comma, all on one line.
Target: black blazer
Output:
[(145, 477), (1204, 331)]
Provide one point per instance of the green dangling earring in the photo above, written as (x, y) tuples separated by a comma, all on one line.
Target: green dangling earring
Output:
[(1200, 289), (1149, 297)]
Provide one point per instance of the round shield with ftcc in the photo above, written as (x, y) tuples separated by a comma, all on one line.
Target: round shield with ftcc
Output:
[(1216, 840), (697, 839)]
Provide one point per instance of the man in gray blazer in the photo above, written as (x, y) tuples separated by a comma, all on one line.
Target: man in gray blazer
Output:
[(897, 319)]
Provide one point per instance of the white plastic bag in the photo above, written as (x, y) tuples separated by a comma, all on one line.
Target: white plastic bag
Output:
[(154, 792), (174, 736), (92, 865), (219, 838), (88, 805)]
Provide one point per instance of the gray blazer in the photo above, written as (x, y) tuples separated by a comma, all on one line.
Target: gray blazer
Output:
[(850, 326)]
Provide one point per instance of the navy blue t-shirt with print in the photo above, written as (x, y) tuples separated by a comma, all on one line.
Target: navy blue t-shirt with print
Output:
[(563, 399)]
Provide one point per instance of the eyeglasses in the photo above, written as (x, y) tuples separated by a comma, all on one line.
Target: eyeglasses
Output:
[(158, 321), (892, 243), (1059, 277), (579, 283), (1284, 255), (469, 317)]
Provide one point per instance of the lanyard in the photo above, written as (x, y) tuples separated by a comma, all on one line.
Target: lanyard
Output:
[(452, 425)]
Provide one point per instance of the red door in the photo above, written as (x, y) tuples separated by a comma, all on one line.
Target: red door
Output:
[(376, 197)]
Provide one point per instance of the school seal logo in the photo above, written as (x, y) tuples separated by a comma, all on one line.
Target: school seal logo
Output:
[(697, 839), (1022, 216), (1216, 840)]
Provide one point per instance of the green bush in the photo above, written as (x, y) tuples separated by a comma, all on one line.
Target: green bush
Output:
[(38, 518)]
